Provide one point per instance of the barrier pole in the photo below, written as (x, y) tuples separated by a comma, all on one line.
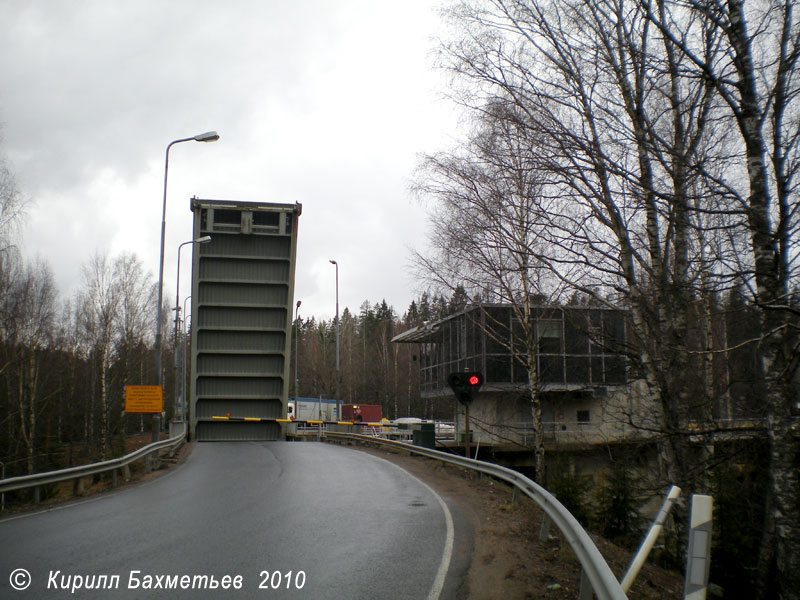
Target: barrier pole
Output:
[(650, 539)]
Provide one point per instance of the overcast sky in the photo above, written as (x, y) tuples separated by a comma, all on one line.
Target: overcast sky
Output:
[(324, 102)]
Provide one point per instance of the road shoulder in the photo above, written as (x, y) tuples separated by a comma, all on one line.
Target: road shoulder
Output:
[(505, 557)]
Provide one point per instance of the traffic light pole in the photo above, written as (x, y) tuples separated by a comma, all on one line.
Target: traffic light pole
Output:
[(465, 385), (466, 430)]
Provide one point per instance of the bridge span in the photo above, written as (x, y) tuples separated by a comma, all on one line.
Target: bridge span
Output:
[(245, 520)]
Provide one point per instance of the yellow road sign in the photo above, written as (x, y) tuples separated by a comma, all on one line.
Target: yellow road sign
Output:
[(144, 399)]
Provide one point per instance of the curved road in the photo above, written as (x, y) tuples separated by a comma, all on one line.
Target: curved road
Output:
[(321, 520)]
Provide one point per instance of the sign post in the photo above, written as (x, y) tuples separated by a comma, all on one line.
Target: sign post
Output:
[(146, 399)]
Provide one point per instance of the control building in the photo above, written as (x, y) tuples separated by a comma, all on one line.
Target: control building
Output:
[(586, 391)]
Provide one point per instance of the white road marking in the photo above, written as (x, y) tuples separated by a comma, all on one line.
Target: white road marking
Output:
[(447, 553)]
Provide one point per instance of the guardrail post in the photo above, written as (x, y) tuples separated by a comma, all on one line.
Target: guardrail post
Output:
[(586, 591), (544, 532), (114, 478), (37, 494)]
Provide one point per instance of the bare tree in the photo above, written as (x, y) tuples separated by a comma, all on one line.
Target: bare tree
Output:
[(756, 76), (100, 300), (12, 207), (28, 309), (488, 223), (669, 134), (73, 404), (136, 296), (11, 213), (634, 159)]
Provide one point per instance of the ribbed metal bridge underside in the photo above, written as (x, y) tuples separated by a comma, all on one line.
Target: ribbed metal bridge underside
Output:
[(242, 294), (234, 431)]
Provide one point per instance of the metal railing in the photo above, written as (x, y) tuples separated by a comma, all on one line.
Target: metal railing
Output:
[(602, 579), (72, 473)]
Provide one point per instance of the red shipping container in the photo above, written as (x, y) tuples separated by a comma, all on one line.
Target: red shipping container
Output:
[(366, 413)]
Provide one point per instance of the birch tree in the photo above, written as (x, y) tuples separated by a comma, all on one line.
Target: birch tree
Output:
[(487, 220), (136, 297), (756, 76), (12, 207), (100, 316), (28, 312), (669, 132)]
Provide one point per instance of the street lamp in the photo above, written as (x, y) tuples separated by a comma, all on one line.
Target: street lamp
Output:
[(210, 136), (296, 342), (184, 407), (338, 403), (177, 406)]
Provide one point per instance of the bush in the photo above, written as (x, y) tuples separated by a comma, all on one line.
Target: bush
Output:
[(617, 507), (572, 490)]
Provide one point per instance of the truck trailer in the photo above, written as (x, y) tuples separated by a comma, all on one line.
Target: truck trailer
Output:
[(312, 409), (365, 413)]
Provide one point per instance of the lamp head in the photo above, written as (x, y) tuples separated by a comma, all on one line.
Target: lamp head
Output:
[(208, 136), (203, 240)]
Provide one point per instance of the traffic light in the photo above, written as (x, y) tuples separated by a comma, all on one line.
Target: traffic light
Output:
[(465, 385)]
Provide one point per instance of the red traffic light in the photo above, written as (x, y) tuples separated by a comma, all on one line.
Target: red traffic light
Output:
[(465, 385)]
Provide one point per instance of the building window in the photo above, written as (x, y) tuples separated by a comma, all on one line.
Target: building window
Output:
[(583, 416), (498, 369), (549, 336)]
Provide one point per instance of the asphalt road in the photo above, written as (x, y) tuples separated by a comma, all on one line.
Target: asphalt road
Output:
[(279, 519)]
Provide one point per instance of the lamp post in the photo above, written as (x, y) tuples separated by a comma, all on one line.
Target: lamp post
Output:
[(338, 403), (210, 136), (176, 409), (296, 354), (184, 403)]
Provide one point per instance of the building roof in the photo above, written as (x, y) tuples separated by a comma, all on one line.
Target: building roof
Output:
[(422, 333), (428, 330)]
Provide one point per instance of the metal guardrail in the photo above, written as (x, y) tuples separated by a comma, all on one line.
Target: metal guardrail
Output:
[(38, 479), (602, 579)]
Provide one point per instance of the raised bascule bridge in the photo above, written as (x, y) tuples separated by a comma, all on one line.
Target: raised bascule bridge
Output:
[(242, 297)]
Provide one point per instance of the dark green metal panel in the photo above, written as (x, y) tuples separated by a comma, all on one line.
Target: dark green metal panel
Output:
[(232, 431)]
